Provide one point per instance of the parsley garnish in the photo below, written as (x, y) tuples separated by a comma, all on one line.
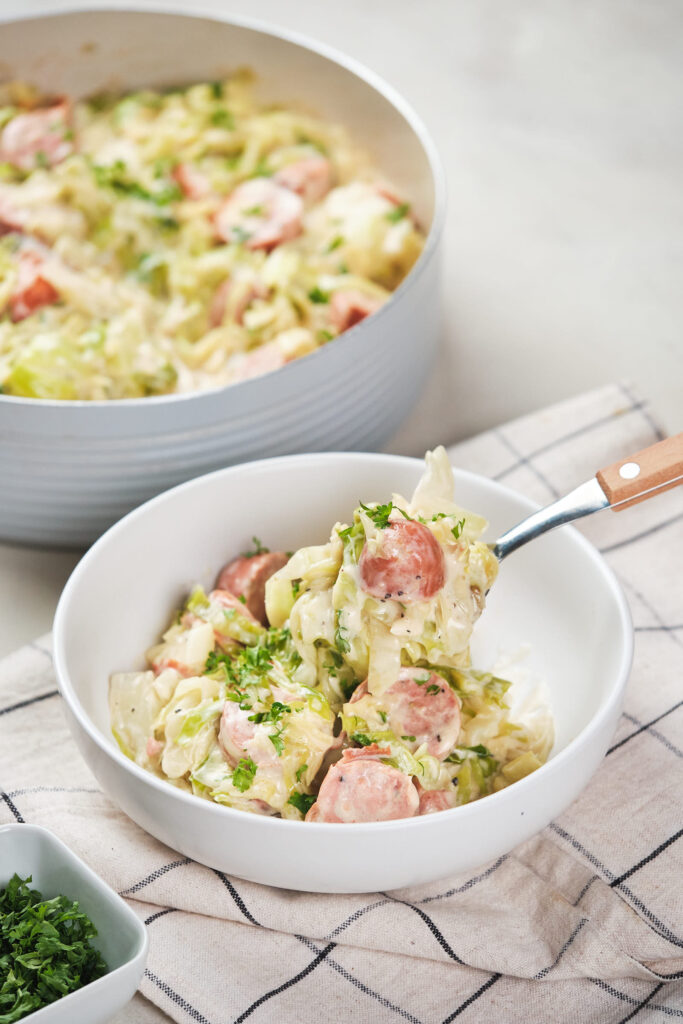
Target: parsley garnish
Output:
[(317, 295), (239, 234), (341, 642), (222, 118), (382, 715), (273, 714), (324, 336), (296, 587), (243, 775), (302, 801), (480, 750), (254, 211), (300, 771), (379, 514), (242, 598), (45, 950), (433, 688), (411, 739), (361, 739), (41, 159), (217, 90), (458, 528), (259, 549), (398, 213), (278, 742), (335, 243)]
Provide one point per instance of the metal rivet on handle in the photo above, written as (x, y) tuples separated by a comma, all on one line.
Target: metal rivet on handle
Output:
[(629, 471)]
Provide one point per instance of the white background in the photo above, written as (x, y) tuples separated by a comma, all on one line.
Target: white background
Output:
[(559, 124)]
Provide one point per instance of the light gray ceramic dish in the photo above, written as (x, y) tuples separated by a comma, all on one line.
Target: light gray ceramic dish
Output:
[(70, 469), (121, 936)]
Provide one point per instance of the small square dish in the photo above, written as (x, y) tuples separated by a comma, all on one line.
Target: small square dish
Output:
[(29, 850)]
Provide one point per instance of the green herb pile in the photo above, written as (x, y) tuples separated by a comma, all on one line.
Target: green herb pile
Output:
[(45, 950)]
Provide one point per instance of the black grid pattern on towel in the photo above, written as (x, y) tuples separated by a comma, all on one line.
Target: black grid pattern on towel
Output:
[(483, 993)]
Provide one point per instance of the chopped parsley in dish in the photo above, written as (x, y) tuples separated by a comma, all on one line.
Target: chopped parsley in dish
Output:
[(45, 950)]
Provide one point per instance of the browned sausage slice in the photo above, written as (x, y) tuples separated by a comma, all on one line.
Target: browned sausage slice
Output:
[(247, 576), (361, 787), (37, 138), (409, 565), (311, 177), (261, 214)]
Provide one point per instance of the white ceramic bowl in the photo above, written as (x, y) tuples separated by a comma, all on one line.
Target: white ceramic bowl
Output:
[(556, 594), (121, 936), (70, 469)]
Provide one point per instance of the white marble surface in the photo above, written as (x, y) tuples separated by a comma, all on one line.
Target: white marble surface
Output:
[(559, 126)]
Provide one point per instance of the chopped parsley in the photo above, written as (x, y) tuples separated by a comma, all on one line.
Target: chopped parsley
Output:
[(382, 715), (239, 234), (302, 801), (458, 528), (296, 587), (41, 159), (45, 950), (398, 213), (259, 549), (222, 118), (324, 336), (242, 598), (277, 741), (255, 211), (379, 513), (410, 739), (340, 641), (480, 750), (361, 739), (273, 714), (114, 176), (335, 243), (318, 296), (243, 775), (216, 90), (433, 688), (300, 772)]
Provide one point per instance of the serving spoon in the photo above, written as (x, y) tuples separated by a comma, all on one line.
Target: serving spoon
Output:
[(648, 472)]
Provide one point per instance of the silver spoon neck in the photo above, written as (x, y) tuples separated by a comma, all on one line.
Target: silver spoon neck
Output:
[(582, 501)]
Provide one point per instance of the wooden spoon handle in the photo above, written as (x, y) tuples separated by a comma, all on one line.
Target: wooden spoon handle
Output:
[(644, 474)]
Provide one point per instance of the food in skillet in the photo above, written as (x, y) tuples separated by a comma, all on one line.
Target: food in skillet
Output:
[(335, 684), (175, 241)]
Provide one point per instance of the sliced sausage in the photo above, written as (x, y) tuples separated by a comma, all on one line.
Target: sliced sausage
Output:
[(349, 306), (311, 178), (409, 565), (193, 183), (263, 359), (246, 577), (253, 290), (154, 747), (261, 214), (421, 708), (37, 137), (239, 737), (423, 705), (32, 290), (361, 787), (432, 800)]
